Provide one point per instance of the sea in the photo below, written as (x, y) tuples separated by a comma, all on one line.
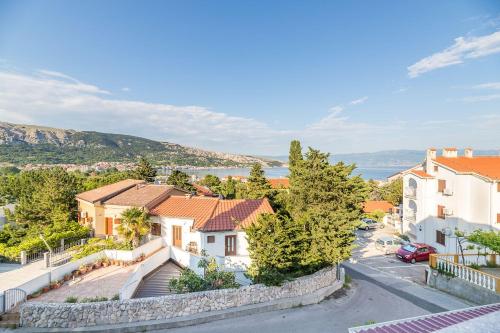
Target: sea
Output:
[(375, 173)]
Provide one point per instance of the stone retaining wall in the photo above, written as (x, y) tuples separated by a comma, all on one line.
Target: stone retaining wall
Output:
[(64, 315)]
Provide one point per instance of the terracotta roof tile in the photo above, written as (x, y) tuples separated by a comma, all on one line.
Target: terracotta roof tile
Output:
[(140, 195), (421, 174), (372, 205), (212, 214), (278, 183), (108, 191), (486, 166)]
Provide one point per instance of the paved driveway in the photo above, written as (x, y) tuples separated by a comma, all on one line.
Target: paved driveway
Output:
[(367, 254)]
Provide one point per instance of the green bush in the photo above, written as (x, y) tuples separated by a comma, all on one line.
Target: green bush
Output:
[(71, 299), (95, 245), (93, 299), (213, 278)]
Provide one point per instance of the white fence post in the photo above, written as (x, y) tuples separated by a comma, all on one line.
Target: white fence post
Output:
[(46, 259), (24, 258)]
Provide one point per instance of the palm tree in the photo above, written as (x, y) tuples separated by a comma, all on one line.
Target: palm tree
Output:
[(135, 224)]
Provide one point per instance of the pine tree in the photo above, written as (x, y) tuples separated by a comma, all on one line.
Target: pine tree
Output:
[(181, 180), (228, 188), (257, 184), (295, 155), (145, 170)]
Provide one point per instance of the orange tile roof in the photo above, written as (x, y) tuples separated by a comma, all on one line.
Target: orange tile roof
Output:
[(212, 214), (107, 191), (421, 174), (203, 190), (140, 195), (279, 182), (372, 205), (486, 166)]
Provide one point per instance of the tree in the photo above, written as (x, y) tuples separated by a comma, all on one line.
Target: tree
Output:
[(228, 188), (45, 197), (145, 170), (295, 155), (377, 215), (134, 225), (181, 180), (275, 245), (488, 239), (393, 192), (211, 181), (257, 184), (316, 183)]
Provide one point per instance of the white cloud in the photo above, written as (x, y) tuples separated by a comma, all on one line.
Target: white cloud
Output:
[(463, 48), (125, 89), (481, 98), (359, 100), (489, 85)]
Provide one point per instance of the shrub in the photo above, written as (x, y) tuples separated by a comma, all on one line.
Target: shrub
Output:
[(116, 297), (474, 266), (71, 299), (93, 299), (95, 245), (213, 278)]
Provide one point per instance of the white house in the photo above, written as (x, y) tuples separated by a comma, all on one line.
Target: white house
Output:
[(194, 224), (451, 192)]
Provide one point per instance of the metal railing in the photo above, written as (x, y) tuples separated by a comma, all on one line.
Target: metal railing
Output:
[(410, 192), (12, 298), (56, 256), (449, 264)]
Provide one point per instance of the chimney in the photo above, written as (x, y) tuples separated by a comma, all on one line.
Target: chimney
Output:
[(468, 152), (450, 152), (430, 155)]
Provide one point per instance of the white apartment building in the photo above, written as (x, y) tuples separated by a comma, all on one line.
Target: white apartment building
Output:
[(450, 192)]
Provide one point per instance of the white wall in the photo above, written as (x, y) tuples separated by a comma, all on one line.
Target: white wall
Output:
[(144, 268)]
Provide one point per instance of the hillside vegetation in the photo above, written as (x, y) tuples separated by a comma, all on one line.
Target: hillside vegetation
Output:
[(23, 144)]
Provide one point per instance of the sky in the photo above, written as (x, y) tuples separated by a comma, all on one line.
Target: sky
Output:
[(249, 76)]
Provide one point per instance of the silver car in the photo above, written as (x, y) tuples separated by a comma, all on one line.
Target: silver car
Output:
[(388, 244)]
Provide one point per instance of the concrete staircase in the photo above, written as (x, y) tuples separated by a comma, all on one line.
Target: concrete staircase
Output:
[(157, 282), (9, 320)]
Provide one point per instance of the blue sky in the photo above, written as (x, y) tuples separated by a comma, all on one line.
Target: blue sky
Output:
[(248, 76)]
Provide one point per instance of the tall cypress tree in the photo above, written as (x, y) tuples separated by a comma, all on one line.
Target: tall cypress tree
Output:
[(295, 154), (257, 184), (145, 170)]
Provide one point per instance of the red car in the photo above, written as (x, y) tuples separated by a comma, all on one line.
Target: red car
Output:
[(414, 252)]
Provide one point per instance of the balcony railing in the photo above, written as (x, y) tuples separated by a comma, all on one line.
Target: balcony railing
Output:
[(410, 216), (410, 192), (448, 263)]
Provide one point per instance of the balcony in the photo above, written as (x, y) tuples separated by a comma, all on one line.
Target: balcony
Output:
[(410, 192), (410, 216)]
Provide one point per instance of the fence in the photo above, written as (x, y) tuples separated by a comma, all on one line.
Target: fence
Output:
[(11, 298), (449, 265), (57, 256)]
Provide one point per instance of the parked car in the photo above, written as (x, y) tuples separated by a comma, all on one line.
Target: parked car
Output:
[(388, 244), (414, 252), (367, 224)]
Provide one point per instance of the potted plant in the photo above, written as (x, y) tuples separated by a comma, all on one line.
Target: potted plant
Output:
[(67, 277), (45, 289), (83, 269), (105, 262)]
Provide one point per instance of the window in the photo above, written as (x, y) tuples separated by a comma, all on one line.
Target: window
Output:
[(436, 168), (440, 238), (440, 212), (210, 239), (422, 250), (156, 229), (441, 185), (498, 218), (118, 221), (230, 245)]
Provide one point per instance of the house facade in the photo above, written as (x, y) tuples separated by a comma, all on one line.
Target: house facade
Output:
[(187, 224), (391, 213), (214, 225), (101, 208), (448, 193)]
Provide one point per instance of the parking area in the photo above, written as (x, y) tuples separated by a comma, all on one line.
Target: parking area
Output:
[(367, 254)]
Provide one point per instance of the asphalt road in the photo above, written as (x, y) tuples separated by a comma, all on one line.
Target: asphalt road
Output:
[(365, 303)]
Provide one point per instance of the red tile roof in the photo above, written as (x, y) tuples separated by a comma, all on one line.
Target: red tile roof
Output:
[(140, 195), (279, 183), (421, 174), (212, 214), (372, 205), (106, 192), (433, 322), (486, 166), (203, 190)]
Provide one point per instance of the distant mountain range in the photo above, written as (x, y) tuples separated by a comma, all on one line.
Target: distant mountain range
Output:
[(31, 144), (386, 158)]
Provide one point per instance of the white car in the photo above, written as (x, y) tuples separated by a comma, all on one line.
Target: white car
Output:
[(388, 244)]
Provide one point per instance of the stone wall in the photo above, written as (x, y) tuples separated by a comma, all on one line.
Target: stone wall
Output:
[(462, 289), (64, 315)]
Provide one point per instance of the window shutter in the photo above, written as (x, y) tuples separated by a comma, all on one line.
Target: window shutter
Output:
[(498, 218), (440, 211), (441, 185)]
